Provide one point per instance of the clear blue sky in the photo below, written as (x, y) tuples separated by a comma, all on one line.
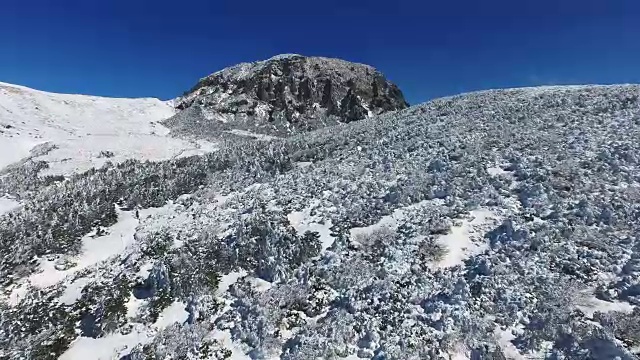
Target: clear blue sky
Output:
[(161, 48)]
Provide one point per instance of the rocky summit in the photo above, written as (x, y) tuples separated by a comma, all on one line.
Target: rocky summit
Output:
[(283, 95)]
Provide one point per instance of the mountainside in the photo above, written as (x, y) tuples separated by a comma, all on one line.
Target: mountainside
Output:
[(502, 224), (284, 95), (74, 133)]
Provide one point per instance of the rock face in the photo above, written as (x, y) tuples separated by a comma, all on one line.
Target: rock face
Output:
[(284, 95)]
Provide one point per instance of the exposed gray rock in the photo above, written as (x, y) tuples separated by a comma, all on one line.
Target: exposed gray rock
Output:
[(284, 95)]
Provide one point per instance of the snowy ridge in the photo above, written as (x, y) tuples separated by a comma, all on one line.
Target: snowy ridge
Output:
[(535, 90), (84, 131)]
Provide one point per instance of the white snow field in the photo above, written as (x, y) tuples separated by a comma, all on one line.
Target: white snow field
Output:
[(8, 204), (85, 131), (464, 240)]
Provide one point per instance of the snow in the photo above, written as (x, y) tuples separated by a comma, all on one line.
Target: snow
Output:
[(262, 110), (116, 345), (112, 346), (351, 357), (283, 56), (498, 171), (252, 134), (145, 269), (589, 304), (17, 293), (198, 147), (73, 291), (222, 199), (259, 285), (390, 221), (174, 313), (460, 240), (14, 149), (460, 353), (302, 221), (133, 304), (304, 164), (224, 337), (229, 279), (214, 115), (504, 338), (82, 127), (169, 216), (94, 250), (7, 204), (366, 107)]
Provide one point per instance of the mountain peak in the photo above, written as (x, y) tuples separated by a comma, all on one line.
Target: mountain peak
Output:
[(284, 56), (285, 94)]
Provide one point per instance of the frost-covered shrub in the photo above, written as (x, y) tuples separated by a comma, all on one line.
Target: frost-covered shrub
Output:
[(556, 168)]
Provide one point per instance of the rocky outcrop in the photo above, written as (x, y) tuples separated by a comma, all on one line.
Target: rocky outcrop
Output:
[(284, 95)]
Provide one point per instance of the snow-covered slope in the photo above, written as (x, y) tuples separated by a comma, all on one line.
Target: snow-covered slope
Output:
[(495, 225), (81, 131)]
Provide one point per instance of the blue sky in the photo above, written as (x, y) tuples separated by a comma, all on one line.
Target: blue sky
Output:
[(142, 48)]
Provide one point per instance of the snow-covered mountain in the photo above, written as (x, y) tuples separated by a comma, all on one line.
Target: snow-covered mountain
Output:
[(275, 97), (74, 133), (284, 95), (502, 224)]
